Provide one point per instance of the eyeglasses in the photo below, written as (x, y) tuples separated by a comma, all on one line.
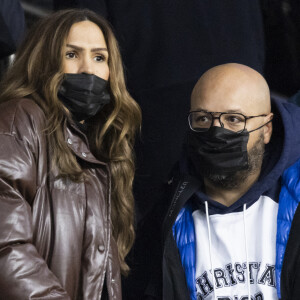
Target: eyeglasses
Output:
[(201, 121)]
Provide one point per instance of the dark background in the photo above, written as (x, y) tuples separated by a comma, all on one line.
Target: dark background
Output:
[(166, 46)]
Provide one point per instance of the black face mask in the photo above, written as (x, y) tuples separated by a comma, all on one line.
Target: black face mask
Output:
[(83, 95), (219, 150)]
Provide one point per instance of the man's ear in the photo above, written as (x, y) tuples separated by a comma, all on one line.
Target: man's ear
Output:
[(268, 128)]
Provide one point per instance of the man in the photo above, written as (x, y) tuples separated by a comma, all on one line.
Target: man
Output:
[(232, 228)]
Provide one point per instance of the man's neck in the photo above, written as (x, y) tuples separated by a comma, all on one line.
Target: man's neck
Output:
[(229, 196)]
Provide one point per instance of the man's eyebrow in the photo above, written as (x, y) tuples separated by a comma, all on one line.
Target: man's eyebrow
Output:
[(235, 111), (81, 49)]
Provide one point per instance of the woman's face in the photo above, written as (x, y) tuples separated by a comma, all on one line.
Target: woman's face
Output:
[(85, 50)]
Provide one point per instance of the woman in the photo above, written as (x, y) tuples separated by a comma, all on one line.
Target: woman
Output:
[(67, 125)]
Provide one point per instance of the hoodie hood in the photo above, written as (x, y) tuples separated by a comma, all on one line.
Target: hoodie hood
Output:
[(282, 151)]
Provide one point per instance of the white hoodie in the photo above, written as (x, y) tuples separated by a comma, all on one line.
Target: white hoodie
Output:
[(229, 243)]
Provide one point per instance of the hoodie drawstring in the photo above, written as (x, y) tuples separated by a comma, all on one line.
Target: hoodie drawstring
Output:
[(246, 248), (209, 244)]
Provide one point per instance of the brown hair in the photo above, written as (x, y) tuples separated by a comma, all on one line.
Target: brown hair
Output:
[(37, 74)]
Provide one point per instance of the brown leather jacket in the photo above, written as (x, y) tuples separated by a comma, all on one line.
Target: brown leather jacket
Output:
[(55, 234)]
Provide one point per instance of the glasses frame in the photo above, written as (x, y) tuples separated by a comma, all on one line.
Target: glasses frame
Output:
[(219, 118)]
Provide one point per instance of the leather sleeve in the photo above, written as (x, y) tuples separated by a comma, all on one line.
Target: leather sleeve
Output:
[(24, 274)]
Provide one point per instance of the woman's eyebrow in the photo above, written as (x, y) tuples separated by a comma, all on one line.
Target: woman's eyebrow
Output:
[(81, 49), (74, 47)]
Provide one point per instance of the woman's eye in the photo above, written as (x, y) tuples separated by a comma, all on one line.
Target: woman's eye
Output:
[(99, 58), (70, 55)]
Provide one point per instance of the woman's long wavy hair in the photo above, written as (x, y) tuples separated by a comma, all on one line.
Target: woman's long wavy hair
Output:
[(37, 74)]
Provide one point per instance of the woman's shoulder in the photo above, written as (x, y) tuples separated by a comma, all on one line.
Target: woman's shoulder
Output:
[(19, 116)]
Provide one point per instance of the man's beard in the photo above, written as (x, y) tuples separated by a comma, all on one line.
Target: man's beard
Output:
[(234, 180)]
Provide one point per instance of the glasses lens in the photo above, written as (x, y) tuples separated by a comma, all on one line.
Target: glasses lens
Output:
[(200, 120), (234, 122)]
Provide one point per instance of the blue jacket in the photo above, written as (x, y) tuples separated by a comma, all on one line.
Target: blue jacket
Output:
[(280, 179)]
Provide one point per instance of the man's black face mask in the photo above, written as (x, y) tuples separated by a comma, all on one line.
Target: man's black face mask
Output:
[(219, 150), (83, 95)]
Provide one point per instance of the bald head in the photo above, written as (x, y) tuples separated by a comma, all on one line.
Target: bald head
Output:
[(232, 87)]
